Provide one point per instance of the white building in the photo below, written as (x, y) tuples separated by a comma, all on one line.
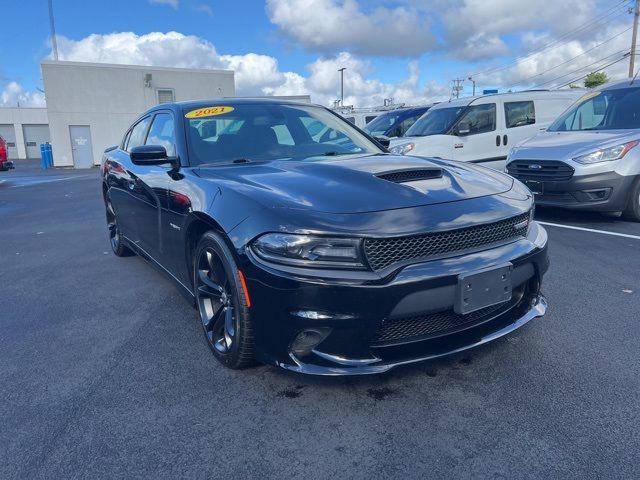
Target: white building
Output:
[(90, 105), (24, 129)]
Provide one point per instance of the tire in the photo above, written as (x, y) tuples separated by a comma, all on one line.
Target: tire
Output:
[(222, 306), (115, 236), (632, 212)]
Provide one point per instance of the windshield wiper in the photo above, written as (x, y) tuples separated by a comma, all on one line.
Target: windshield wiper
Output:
[(217, 164)]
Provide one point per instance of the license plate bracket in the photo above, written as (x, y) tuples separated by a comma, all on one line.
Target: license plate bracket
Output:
[(483, 288), (536, 187)]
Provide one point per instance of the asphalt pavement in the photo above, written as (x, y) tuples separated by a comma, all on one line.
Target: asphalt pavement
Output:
[(105, 373)]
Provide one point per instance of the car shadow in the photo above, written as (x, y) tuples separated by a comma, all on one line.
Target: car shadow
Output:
[(560, 215)]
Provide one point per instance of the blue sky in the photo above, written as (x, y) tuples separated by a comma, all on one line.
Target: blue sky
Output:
[(408, 49)]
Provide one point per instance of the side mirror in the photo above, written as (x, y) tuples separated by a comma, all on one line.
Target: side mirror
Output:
[(151, 155), (463, 128), (384, 141)]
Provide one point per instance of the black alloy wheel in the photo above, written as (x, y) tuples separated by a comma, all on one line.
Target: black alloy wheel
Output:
[(115, 236), (221, 303)]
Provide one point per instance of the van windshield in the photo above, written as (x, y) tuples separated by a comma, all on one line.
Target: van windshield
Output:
[(435, 122), (616, 109)]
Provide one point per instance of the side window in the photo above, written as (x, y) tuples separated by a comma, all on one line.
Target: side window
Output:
[(586, 115), (138, 133), (519, 114), (480, 118), (283, 134), (321, 133), (369, 118), (162, 133)]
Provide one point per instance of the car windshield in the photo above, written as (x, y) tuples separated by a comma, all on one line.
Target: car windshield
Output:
[(266, 131), (382, 123), (615, 109), (435, 121)]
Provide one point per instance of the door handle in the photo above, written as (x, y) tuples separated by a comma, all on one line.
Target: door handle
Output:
[(504, 140), (497, 140)]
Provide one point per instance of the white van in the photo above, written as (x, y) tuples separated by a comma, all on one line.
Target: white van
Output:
[(483, 129)]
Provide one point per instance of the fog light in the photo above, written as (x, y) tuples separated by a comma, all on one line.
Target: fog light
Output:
[(308, 339), (600, 194)]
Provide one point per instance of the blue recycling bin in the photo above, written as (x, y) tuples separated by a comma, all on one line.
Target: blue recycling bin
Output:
[(43, 156), (49, 154)]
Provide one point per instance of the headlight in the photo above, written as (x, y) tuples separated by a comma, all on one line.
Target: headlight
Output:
[(309, 251), (606, 154), (402, 149)]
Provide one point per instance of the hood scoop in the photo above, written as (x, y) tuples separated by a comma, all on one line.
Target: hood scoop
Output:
[(410, 175)]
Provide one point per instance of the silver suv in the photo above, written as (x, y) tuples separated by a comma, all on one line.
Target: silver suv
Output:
[(589, 157)]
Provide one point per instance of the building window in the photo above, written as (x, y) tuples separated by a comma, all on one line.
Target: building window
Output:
[(165, 95)]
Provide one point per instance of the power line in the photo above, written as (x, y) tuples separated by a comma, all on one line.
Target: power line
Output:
[(615, 10), (599, 69), (603, 59), (571, 59)]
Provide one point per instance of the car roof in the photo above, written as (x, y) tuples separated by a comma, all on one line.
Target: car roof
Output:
[(618, 84), (404, 110), (214, 102), (531, 94)]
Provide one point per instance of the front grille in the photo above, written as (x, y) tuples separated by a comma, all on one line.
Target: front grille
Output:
[(402, 176), (548, 170), (383, 252), (418, 326)]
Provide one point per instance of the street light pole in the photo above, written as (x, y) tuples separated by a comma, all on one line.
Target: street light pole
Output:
[(54, 43), (474, 85), (341, 70)]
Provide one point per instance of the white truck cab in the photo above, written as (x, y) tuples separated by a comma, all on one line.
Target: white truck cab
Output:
[(483, 129)]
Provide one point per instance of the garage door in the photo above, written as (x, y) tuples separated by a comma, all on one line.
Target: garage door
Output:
[(8, 132), (34, 135)]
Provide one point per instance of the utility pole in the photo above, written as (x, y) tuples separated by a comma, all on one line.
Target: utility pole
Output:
[(634, 36), (341, 70), (474, 85), (457, 86), (54, 43)]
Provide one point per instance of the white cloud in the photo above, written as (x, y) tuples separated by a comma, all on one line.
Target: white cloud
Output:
[(171, 3), (14, 95), (203, 8), (334, 25), (255, 74), (565, 61)]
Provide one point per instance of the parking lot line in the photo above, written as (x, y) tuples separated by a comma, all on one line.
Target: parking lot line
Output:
[(604, 232)]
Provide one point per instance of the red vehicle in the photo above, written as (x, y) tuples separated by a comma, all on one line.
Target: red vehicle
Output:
[(5, 164)]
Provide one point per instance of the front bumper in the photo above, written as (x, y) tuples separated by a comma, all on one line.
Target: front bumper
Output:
[(606, 192), (353, 311)]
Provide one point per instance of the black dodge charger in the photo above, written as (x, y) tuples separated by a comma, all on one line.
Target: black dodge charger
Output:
[(303, 243)]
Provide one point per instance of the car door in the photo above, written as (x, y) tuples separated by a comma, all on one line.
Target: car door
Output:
[(520, 123), (124, 191), (475, 136), (151, 187)]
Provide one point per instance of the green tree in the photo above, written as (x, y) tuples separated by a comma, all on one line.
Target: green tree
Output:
[(595, 78)]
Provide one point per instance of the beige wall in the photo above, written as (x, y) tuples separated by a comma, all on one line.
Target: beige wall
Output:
[(109, 97)]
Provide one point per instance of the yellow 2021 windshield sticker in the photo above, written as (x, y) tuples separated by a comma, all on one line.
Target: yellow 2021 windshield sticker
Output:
[(208, 112)]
